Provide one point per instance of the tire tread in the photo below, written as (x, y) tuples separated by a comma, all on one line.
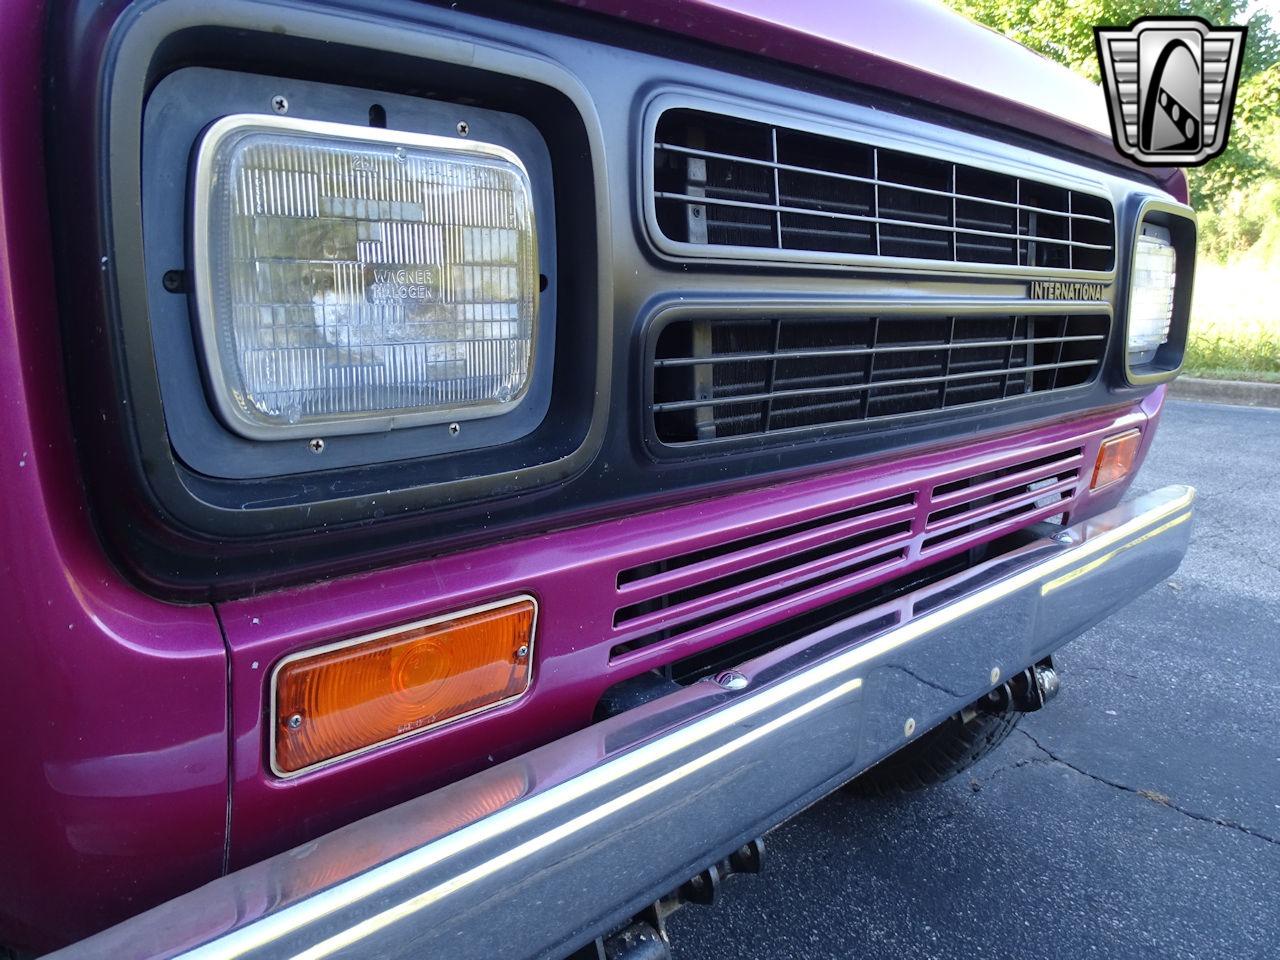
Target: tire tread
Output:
[(937, 755)]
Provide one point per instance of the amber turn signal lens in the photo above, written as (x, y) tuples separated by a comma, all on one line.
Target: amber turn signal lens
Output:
[(1115, 459), (371, 690)]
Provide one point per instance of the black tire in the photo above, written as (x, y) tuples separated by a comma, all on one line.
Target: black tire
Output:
[(939, 754)]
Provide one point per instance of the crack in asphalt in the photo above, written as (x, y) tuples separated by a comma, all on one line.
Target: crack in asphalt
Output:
[(975, 783), (1148, 795)]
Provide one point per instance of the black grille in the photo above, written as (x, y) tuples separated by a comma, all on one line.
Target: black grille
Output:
[(723, 182), (728, 377)]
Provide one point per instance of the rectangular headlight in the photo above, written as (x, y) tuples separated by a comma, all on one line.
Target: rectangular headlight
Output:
[(1151, 293), (351, 279)]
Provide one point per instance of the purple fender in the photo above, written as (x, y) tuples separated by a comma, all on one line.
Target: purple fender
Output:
[(114, 706)]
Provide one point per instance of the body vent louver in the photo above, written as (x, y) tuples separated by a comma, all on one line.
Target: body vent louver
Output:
[(721, 589), (726, 183), (717, 377)]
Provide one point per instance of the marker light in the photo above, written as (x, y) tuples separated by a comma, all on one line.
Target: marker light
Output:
[(354, 695), (351, 279), (1151, 293), (1115, 459)]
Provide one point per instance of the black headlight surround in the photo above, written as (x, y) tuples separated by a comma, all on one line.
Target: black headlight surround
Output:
[(178, 526), (180, 108)]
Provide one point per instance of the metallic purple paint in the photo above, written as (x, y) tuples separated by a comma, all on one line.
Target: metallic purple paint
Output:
[(114, 705), (573, 573), (915, 48)]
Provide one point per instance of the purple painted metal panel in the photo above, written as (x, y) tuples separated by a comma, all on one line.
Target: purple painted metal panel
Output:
[(916, 48), (114, 705), (574, 575)]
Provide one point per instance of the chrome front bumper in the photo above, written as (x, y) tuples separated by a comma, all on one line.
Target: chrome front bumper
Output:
[(536, 856)]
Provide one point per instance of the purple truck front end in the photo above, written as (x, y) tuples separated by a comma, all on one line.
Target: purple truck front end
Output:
[(816, 464)]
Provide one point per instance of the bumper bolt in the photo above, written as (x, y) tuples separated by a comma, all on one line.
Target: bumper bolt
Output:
[(909, 727), (732, 680), (995, 674)]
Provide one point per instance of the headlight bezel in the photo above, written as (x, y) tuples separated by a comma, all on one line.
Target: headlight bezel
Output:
[(197, 428), (214, 360), (1180, 222)]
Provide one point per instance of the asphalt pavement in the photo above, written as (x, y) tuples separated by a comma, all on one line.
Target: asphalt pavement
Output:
[(1137, 816)]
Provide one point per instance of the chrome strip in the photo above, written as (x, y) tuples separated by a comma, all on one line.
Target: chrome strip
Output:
[(402, 910), (381, 878)]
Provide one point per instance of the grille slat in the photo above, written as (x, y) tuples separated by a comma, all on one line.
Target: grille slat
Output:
[(917, 220), (871, 181), (683, 576), (862, 556), (946, 501), (1001, 504), (717, 377), (681, 598), (782, 355), (858, 387), (816, 193)]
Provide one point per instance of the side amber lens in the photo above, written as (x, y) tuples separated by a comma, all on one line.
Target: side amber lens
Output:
[(399, 682), (1115, 459)]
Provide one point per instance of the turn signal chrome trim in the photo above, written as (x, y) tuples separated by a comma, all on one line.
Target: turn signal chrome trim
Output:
[(344, 699)]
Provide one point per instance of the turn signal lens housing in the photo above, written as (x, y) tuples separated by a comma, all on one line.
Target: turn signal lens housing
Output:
[(1115, 459), (349, 697)]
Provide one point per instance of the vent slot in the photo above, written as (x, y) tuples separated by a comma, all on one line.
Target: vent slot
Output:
[(1012, 497), (725, 182), (787, 538), (837, 584), (726, 377), (694, 589), (697, 599)]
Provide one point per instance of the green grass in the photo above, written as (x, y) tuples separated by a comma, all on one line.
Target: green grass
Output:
[(1235, 322), (1231, 373)]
